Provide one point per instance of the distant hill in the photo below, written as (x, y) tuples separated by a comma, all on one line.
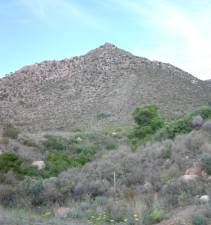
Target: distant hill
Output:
[(97, 89)]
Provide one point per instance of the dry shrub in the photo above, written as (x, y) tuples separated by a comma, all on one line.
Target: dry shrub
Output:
[(7, 195)]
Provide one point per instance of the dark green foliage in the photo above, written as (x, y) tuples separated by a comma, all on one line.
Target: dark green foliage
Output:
[(152, 216), (54, 144), (147, 120), (205, 112), (10, 161), (147, 116), (58, 162), (87, 149), (110, 146), (10, 132), (29, 170), (206, 163), (199, 219)]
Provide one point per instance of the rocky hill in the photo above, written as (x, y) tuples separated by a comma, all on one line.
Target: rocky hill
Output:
[(100, 88)]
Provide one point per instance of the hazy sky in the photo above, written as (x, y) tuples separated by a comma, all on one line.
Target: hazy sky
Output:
[(174, 31)]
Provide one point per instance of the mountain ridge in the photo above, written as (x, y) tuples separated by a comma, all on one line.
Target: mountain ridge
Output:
[(106, 81)]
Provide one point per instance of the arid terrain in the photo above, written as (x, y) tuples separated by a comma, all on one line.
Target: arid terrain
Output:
[(98, 89), (107, 138)]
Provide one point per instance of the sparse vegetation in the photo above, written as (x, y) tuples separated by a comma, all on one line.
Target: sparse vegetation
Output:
[(199, 219), (10, 132), (206, 162), (104, 185)]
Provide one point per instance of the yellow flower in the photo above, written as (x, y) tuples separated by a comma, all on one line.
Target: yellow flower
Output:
[(125, 220), (135, 215)]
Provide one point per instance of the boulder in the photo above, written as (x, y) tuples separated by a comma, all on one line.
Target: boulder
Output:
[(196, 169), (62, 211), (204, 198), (39, 164), (197, 121), (189, 178)]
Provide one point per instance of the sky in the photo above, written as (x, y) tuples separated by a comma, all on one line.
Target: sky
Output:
[(172, 31)]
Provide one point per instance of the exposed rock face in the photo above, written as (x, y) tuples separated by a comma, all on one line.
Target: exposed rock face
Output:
[(39, 164), (102, 87)]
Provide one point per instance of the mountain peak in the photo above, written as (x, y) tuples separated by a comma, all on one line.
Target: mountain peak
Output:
[(108, 45)]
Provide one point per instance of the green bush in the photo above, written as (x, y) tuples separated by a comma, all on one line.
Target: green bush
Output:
[(147, 120), (82, 158), (87, 149), (29, 170), (58, 162), (10, 132), (53, 143), (199, 219), (154, 215), (10, 161), (206, 163)]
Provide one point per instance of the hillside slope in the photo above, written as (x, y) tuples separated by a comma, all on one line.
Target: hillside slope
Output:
[(99, 88)]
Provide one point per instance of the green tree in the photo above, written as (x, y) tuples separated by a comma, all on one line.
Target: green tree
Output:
[(148, 121)]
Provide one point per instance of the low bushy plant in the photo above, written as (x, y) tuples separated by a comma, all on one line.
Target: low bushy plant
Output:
[(10, 132), (182, 125), (10, 161), (206, 163), (199, 219), (58, 162), (154, 215), (53, 143), (147, 121)]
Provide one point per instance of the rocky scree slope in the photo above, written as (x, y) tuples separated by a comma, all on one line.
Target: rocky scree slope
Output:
[(100, 88)]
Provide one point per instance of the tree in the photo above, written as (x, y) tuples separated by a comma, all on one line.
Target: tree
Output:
[(148, 120)]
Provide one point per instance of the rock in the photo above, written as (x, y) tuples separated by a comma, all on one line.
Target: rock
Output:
[(39, 164), (207, 126), (114, 133), (79, 139), (205, 198), (62, 211), (189, 178), (197, 121), (196, 169)]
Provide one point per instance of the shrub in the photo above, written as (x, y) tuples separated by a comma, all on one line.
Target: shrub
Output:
[(58, 162), (10, 161), (154, 215), (53, 143), (87, 149), (7, 195), (206, 162), (148, 121), (199, 219), (10, 132), (182, 125)]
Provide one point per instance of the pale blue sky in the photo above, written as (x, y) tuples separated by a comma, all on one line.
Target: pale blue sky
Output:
[(174, 31)]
